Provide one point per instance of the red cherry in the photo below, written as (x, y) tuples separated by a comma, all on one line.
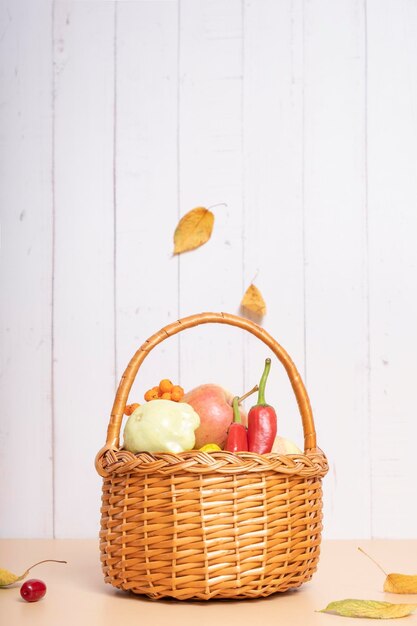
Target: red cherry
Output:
[(33, 590)]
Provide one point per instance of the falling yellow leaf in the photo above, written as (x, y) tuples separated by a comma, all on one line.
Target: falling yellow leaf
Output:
[(8, 578), (253, 301), (400, 583), (369, 608), (193, 230)]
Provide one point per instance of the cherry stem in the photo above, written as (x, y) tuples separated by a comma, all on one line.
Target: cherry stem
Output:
[(373, 561), (45, 561), (247, 394), (213, 206)]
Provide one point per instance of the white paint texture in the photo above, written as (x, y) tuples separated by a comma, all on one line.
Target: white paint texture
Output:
[(116, 118)]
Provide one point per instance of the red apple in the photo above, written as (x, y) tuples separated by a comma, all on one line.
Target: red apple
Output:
[(214, 406)]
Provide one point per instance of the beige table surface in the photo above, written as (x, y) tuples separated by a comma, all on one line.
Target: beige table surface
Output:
[(77, 594)]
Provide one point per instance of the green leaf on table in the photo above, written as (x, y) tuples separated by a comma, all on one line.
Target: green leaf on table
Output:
[(369, 608)]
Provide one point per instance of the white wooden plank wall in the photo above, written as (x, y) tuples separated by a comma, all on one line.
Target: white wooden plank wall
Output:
[(335, 222), (392, 168), (83, 277), (273, 191), (117, 118), (26, 465), (210, 172), (146, 194)]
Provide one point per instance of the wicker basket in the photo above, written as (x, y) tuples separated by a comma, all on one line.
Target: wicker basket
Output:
[(221, 525)]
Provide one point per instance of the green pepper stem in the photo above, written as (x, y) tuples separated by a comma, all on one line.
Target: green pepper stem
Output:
[(262, 383), (236, 413)]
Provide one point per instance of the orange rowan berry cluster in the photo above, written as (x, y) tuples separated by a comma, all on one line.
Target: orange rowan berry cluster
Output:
[(130, 408), (166, 390)]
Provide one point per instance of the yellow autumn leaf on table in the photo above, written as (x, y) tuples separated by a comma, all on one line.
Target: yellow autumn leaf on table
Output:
[(400, 583), (193, 230), (253, 301), (369, 608), (8, 578), (395, 583)]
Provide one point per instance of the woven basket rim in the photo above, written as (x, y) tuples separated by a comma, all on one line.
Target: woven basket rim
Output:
[(112, 461)]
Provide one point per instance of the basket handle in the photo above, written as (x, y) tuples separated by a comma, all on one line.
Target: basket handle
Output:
[(126, 382)]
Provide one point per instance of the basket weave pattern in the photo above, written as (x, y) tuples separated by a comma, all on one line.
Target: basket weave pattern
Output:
[(199, 526)]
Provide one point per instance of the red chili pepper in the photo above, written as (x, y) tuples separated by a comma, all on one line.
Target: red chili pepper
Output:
[(237, 438), (262, 420)]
